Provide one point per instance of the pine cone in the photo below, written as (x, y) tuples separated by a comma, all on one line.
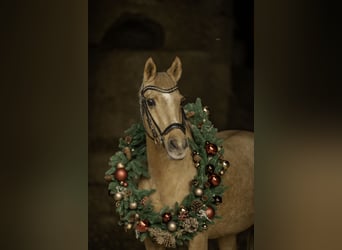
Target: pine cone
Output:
[(196, 205), (190, 225)]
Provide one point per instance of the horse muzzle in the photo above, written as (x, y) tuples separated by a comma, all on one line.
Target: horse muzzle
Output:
[(176, 145)]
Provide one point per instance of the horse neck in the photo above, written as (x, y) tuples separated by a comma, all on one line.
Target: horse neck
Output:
[(170, 178)]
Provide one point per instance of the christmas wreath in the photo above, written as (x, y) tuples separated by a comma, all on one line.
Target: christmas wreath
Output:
[(171, 226)]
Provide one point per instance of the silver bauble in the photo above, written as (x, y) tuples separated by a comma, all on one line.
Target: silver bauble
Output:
[(172, 226)]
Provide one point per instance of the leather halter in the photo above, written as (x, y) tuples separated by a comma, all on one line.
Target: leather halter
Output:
[(157, 134)]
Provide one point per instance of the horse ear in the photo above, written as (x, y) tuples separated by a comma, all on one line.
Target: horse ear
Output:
[(150, 70), (175, 71)]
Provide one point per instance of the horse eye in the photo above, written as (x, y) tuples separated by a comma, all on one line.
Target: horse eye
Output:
[(151, 102)]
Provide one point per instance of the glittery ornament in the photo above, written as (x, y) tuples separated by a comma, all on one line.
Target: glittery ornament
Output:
[(210, 212), (214, 180), (142, 226), (183, 214), (210, 148), (120, 174), (162, 237), (166, 217), (172, 226), (144, 200), (190, 225)]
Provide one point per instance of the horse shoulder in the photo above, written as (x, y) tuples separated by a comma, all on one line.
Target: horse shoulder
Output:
[(238, 144)]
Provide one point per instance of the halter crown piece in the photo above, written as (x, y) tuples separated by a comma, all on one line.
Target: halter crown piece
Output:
[(171, 226), (157, 133)]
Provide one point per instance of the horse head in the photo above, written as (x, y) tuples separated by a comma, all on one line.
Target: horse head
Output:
[(161, 108)]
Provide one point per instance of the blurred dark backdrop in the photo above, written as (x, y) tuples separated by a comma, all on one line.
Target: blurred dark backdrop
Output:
[(214, 40)]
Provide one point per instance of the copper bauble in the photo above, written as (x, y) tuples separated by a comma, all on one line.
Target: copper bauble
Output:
[(120, 174), (210, 212), (166, 217), (142, 226), (210, 148), (214, 180)]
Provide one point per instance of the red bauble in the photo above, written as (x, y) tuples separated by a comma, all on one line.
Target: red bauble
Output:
[(166, 217), (210, 212), (214, 180), (120, 174), (210, 148), (142, 226)]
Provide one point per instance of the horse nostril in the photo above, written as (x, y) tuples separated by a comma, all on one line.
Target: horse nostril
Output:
[(173, 144), (185, 143)]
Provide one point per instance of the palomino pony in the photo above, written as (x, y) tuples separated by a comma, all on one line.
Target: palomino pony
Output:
[(171, 164)]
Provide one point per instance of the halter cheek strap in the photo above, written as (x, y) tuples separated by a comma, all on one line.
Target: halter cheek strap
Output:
[(157, 133)]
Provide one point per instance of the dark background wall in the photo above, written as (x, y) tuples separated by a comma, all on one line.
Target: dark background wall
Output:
[(214, 40)]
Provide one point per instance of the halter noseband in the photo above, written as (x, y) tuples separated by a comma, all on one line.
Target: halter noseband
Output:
[(157, 133)]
